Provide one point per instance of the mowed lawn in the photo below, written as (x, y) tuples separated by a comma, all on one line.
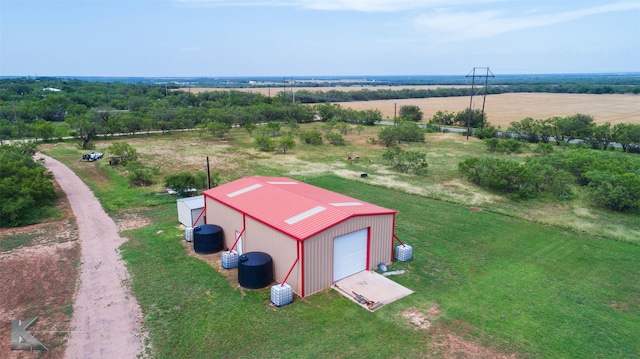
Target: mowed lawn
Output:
[(498, 282)]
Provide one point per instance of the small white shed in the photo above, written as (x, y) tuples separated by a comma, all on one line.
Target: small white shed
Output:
[(189, 209)]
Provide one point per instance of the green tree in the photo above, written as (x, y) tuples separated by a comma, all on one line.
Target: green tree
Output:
[(85, 127), (122, 153), (600, 136), (572, 127), (286, 142), (131, 123), (476, 119), (344, 128), (411, 112), (182, 182), (409, 131), (526, 129), (218, 129), (328, 111), (274, 128), (26, 187), (626, 134), (250, 127), (389, 135), (443, 118), (44, 130)]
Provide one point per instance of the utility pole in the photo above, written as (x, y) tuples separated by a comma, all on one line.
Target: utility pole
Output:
[(473, 76), (293, 95), (395, 104)]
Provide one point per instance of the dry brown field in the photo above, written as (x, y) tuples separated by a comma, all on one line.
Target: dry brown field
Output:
[(501, 109)]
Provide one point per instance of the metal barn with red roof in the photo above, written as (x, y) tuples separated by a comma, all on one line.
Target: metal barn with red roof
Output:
[(314, 236)]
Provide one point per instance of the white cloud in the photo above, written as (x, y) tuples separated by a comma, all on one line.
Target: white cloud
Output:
[(447, 24), (190, 49)]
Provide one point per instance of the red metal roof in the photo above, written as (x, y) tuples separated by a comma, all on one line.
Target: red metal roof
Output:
[(293, 207)]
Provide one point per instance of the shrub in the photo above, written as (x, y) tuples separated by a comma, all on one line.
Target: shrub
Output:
[(265, 143), (335, 139), (410, 132), (510, 146), (286, 142), (492, 144), (311, 137), (344, 128), (406, 161), (185, 182), (507, 176), (140, 175), (618, 192), (486, 132), (543, 149), (389, 135)]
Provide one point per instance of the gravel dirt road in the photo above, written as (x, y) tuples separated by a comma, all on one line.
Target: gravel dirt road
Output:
[(107, 320)]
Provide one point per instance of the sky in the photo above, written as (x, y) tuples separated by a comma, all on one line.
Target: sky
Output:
[(238, 38)]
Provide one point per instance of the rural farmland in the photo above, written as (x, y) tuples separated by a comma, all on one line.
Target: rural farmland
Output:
[(493, 275), (501, 109)]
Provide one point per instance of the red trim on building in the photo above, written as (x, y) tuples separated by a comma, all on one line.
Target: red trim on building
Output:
[(273, 204), (301, 249), (393, 234)]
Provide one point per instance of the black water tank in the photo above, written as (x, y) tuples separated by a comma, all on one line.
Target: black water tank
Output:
[(255, 270), (207, 238)]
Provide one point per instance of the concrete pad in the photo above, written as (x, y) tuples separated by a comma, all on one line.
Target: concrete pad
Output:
[(373, 286)]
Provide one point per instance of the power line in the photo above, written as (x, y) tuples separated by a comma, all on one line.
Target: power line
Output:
[(473, 76)]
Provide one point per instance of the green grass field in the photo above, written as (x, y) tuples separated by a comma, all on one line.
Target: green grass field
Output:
[(501, 277), (514, 286)]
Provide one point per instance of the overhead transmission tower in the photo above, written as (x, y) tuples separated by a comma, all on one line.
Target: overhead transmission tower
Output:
[(473, 76)]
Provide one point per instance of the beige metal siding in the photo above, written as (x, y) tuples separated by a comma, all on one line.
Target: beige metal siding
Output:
[(318, 250), (283, 250), (229, 219)]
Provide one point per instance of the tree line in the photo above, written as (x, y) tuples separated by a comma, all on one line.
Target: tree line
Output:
[(610, 179)]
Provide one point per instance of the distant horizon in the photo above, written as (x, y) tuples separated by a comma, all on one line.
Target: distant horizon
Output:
[(326, 77)]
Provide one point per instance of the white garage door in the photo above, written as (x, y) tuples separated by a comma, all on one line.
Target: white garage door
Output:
[(349, 254)]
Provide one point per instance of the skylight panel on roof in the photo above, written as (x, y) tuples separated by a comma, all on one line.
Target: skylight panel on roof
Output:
[(305, 214), (276, 182), (346, 204), (244, 190)]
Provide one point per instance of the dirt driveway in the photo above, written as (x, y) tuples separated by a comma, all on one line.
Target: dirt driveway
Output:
[(107, 320)]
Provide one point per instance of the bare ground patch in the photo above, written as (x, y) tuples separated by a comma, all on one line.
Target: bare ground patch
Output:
[(127, 221), (453, 346), (39, 279), (447, 342)]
